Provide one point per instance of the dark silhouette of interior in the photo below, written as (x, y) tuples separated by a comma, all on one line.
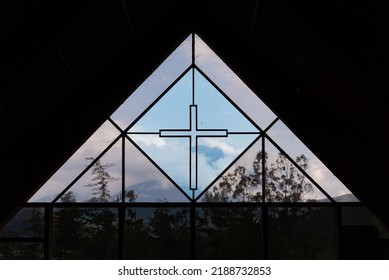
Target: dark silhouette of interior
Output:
[(322, 66)]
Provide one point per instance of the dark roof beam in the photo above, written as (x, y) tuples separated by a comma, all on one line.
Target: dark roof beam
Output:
[(65, 61), (258, 9), (128, 19)]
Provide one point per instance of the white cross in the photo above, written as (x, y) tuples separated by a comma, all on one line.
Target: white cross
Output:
[(193, 133)]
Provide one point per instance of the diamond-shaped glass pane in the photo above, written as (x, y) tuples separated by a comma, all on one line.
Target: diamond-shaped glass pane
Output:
[(193, 133)]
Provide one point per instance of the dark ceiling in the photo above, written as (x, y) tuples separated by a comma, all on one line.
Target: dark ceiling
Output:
[(322, 66)]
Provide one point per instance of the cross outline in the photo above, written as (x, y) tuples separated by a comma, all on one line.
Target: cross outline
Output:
[(193, 132)]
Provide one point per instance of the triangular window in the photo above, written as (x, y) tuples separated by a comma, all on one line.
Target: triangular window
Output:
[(192, 162), (196, 127)]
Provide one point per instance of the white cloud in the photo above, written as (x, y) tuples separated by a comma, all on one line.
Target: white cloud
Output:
[(99, 140), (150, 140), (217, 143)]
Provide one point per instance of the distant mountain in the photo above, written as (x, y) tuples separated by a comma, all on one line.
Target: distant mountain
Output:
[(153, 191), (46, 199), (341, 198), (346, 198)]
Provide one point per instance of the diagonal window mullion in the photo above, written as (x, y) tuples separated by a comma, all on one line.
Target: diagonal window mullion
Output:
[(93, 162), (299, 168)]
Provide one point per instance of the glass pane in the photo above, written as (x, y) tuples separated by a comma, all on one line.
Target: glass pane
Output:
[(161, 115), (21, 251), (242, 182), (76, 163), (28, 222), (302, 233), (293, 146), (155, 84), (145, 183), (215, 111), (102, 182), (85, 233), (170, 154), (228, 233), (158, 233), (215, 155), (204, 132), (362, 216), (231, 84), (284, 182)]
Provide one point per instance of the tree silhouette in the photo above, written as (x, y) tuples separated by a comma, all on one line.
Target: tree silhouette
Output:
[(228, 233), (101, 224), (88, 233), (283, 182), (27, 223), (69, 230), (221, 232), (235, 232), (100, 181), (35, 222), (170, 230)]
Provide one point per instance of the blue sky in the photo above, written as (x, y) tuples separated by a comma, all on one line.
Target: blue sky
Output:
[(214, 112)]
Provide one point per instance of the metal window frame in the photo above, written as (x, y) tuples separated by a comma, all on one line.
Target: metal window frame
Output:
[(192, 203)]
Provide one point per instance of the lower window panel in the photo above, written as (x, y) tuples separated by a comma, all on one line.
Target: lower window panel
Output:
[(157, 233), (21, 251), (228, 233), (302, 233), (85, 233)]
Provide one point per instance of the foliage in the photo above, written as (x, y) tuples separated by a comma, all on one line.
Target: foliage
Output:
[(28, 223), (100, 181), (69, 228), (228, 233), (88, 233), (236, 232), (160, 233), (164, 232), (283, 182)]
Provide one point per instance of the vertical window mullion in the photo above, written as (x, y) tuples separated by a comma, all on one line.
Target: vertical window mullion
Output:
[(48, 246), (265, 232), (193, 231)]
